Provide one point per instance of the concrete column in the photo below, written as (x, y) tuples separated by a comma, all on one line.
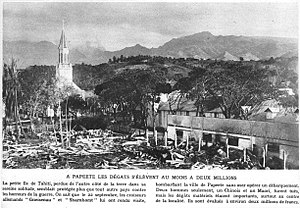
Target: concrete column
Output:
[(245, 154)]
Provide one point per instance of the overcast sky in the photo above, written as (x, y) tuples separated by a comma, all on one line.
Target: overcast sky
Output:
[(118, 25)]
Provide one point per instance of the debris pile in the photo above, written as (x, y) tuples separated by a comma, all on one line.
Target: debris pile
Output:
[(98, 149)]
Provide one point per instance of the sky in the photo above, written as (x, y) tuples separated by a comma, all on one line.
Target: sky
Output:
[(124, 24)]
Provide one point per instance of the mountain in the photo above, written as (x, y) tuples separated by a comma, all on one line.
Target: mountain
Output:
[(206, 45), (36, 53), (290, 54), (93, 53), (132, 51), (200, 45), (227, 56)]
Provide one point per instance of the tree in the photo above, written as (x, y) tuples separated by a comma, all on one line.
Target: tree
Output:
[(136, 89), (196, 87), (38, 90), (76, 103), (183, 85), (114, 59), (114, 91), (121, 58), (93, 105), (235, 85), (10, 93), (201, 80), (288, 101), (227, 85)]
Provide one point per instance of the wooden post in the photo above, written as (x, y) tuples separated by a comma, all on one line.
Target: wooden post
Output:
[(200, 140), (284, 157), (227, 147), (201, 134), (52, 121), (69, 133), (264, 158), (251, 144), (166, 138), (213, 138), (187, 142), (147, 137), (155, 136), (60, 126), (175, 140), (70, 124), (245, 154), (266, 155)]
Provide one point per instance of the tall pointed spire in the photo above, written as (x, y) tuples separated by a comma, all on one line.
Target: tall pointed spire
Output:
[(64, 68), (63, 41)]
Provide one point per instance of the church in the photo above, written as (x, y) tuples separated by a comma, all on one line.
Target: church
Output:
[(64, 70)]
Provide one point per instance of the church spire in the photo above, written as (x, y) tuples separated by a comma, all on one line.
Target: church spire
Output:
[(63, 48), (64, 68), (63, 41)]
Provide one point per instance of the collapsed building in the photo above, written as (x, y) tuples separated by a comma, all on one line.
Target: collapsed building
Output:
[(268, 133), (264, 138)]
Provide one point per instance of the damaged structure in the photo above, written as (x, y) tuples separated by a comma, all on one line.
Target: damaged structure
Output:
[(266, 139)]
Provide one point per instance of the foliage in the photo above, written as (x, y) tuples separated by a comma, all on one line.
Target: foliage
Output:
[(200, 79), (38, 89), (77, 103), (241, 84), (288, 101), (88, 76), (228, 85), (11, 89), (90, 122), (10, 94), (134, 89)]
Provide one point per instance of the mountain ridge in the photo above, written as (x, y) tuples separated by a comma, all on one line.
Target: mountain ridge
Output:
[(199, 45)]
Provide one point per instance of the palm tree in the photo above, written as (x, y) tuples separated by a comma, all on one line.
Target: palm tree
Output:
[(11, 88)]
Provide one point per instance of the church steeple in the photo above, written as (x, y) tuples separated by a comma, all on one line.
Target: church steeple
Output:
[(63, 48), (63, 42), (64, 68)]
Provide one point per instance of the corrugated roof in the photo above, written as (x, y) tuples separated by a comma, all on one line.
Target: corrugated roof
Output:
[(273, 105), (179, 102), (289, 132)]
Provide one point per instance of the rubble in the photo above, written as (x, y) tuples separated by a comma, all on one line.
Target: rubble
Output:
[(98, 149)]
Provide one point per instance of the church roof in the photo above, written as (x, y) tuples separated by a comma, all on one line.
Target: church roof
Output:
[(63, 41)]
